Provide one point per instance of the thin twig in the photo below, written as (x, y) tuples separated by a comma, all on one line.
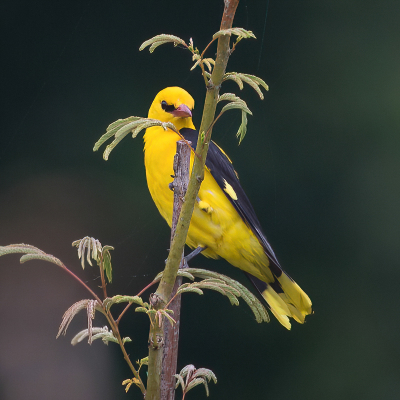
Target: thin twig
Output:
[(206, 48), (208, 133), (203, 72), (82, 283), (189, 144), (114, 328), (129, 304)]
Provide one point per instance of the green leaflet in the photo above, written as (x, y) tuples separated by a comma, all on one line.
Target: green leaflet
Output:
[(241, 133), (120, 128), (123, 299), (224, 285), (31, 253), (240, 32), (194, 377), (95, 251), (158, 40), (107, 263), (254, 81), (112, 129)]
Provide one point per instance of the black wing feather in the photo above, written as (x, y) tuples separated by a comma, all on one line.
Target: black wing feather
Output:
[(222, 169)]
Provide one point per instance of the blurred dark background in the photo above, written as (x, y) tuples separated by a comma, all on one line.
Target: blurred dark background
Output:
[(320, 163)]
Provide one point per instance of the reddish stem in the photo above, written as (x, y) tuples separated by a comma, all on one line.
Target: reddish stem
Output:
[(129, 304), (83, 284), (202, 54)]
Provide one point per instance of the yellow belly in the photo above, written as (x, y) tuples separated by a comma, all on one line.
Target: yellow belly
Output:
[(215, 223)]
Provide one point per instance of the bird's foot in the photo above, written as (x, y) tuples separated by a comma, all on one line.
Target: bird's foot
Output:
[(192, 255)]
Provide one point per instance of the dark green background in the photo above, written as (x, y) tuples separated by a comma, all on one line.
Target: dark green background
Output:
[(320, 163)]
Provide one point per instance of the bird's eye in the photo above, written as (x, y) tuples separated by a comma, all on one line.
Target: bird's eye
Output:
[(166, 107)]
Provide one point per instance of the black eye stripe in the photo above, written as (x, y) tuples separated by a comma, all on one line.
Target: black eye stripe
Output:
[(166, 107)]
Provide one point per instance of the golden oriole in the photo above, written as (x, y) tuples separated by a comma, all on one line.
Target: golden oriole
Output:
[(223, 221)]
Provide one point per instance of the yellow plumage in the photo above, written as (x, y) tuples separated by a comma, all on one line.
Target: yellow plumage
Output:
[(215, 223)]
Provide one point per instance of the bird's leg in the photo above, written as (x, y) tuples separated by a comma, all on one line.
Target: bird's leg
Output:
[(191, 255)]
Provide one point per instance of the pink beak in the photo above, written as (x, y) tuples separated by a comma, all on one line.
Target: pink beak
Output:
[(183, 111)]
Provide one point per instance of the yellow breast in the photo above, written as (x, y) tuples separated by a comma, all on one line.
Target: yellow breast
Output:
[(215, 223)]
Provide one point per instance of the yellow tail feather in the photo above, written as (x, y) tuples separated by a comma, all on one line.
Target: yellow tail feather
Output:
[(293, 303), (297, 296), (277, 306)]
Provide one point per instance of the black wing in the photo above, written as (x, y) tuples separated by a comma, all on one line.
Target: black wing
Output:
[(222, 171)]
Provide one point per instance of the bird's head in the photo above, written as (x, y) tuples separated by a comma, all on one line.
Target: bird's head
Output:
[(175, 105)]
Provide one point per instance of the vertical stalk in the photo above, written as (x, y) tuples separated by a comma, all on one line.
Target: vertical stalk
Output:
[(164, 290)]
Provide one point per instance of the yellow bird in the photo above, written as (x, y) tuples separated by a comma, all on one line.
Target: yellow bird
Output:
[(223, 222)]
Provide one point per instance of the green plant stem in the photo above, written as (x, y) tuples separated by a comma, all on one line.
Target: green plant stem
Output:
[(167, 282), (203, 72), (116, 333)]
